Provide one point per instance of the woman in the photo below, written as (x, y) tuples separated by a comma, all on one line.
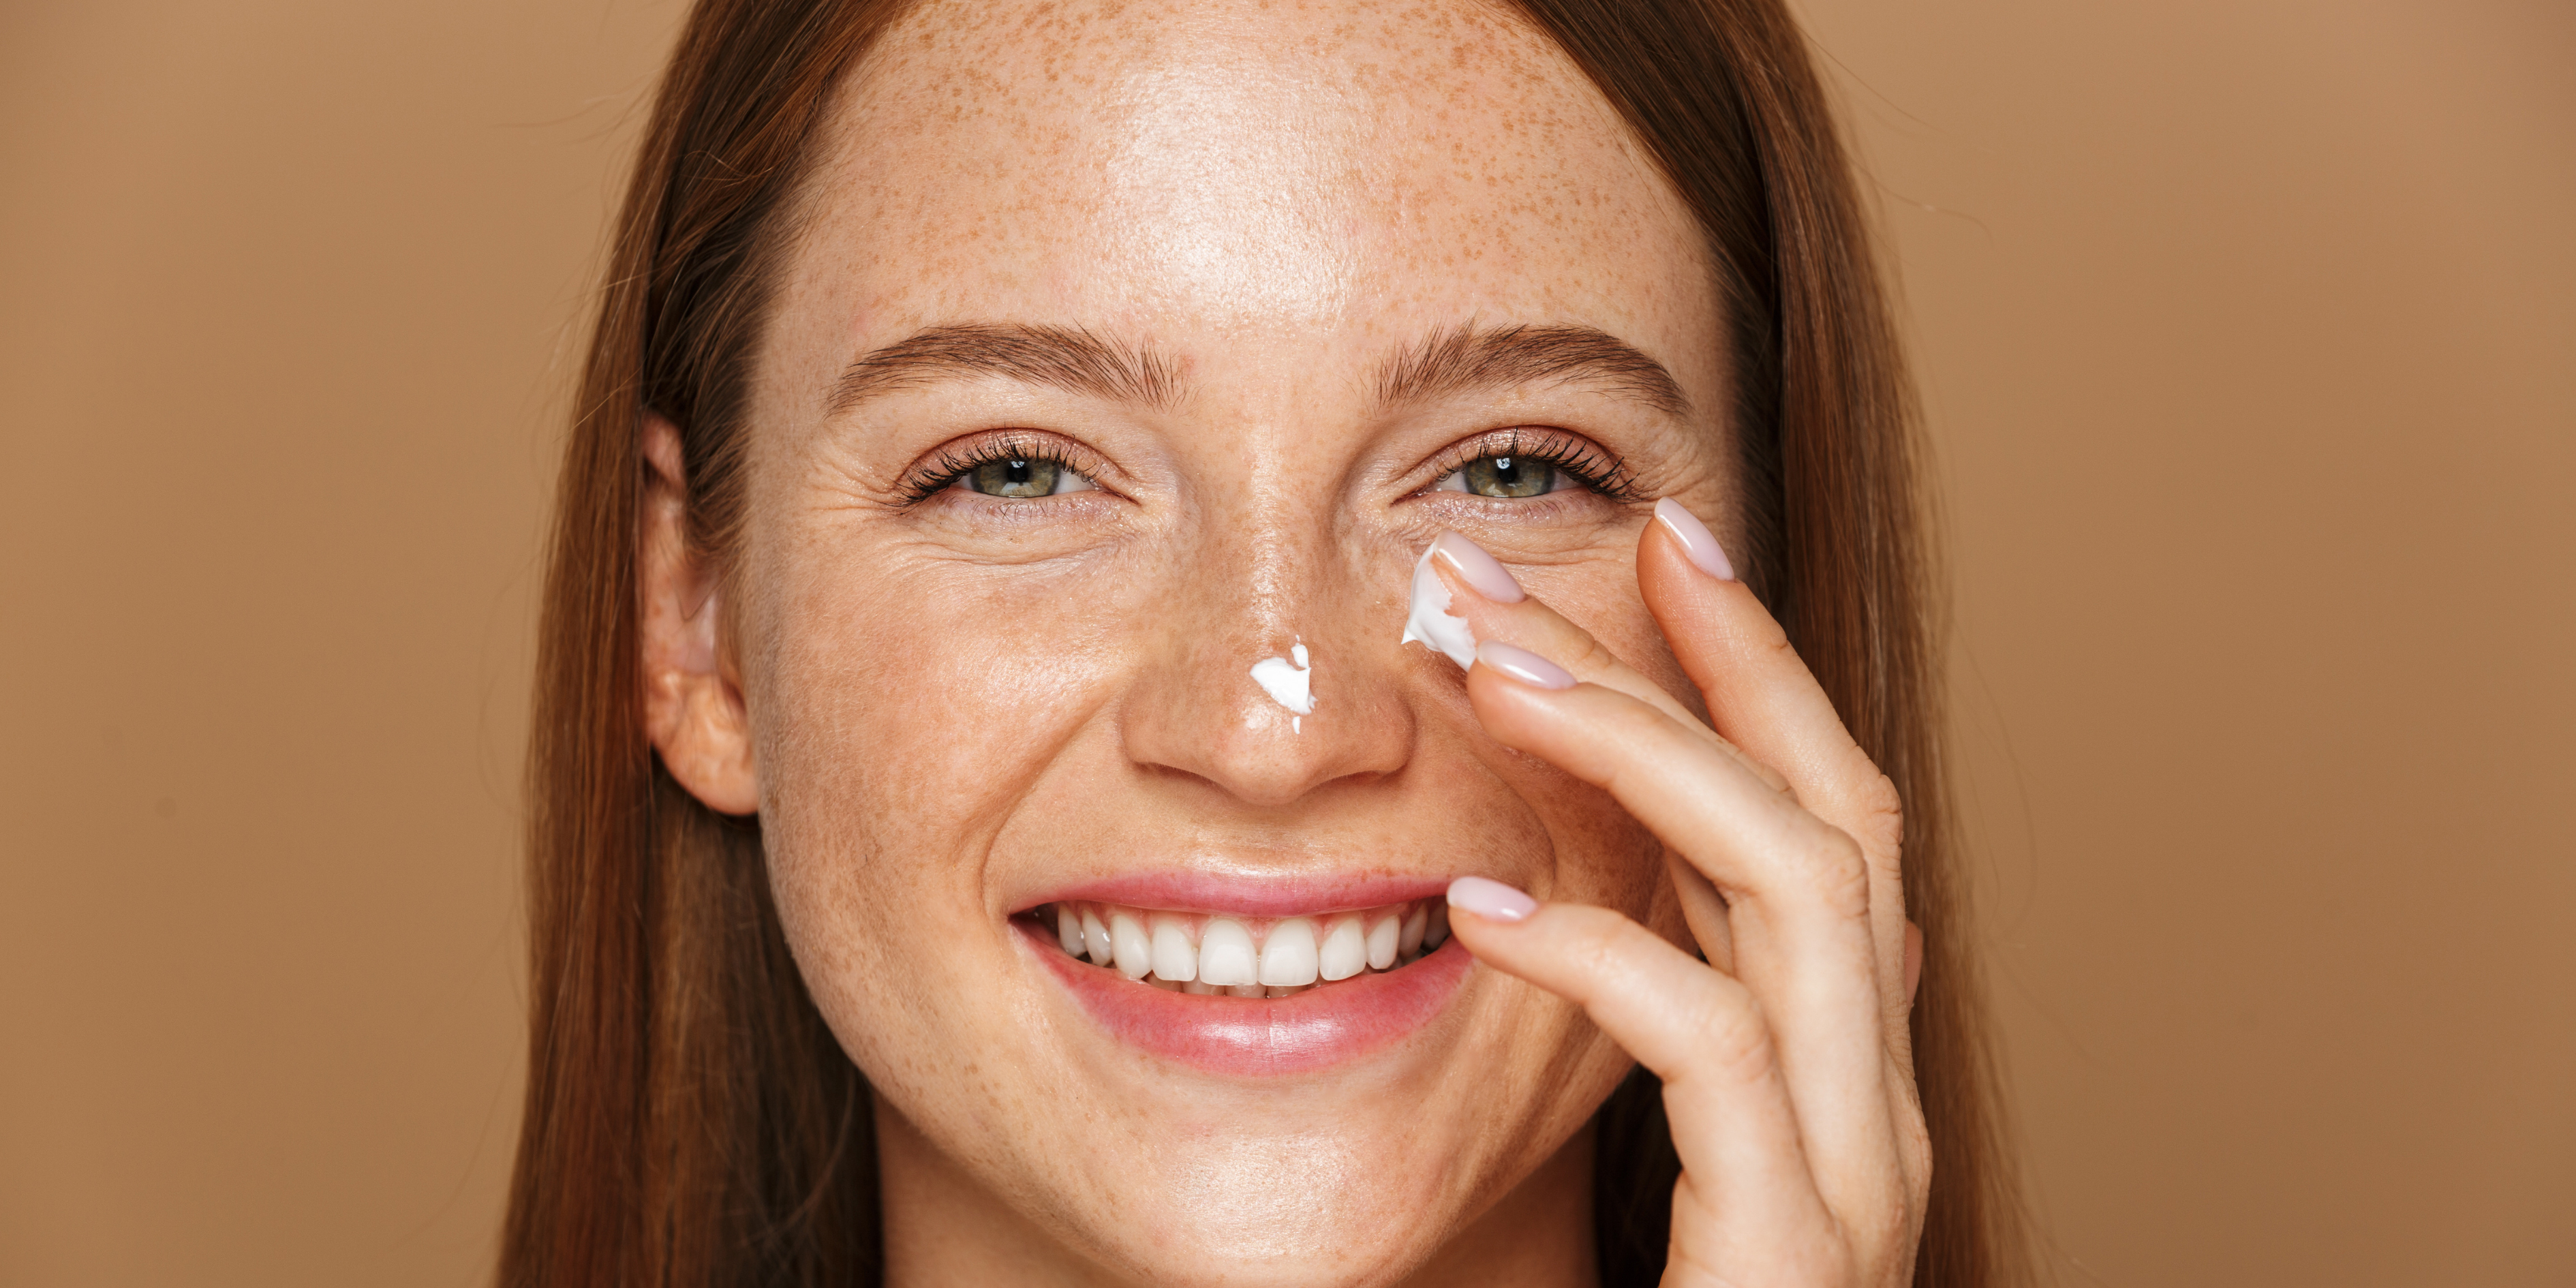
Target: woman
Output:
[(1168, 661)]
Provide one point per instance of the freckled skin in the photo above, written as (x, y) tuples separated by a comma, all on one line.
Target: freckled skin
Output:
[(960, 704)]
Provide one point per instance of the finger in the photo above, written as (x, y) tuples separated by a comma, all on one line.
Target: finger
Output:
[(1762, 698), (1703, 909), (1913, 961), (1733, 1121), (1797, 890), (1496, 608)]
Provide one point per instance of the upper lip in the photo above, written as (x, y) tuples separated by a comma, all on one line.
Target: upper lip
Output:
[(1246, 894)]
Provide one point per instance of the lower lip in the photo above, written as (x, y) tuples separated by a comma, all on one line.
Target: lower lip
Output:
[(1262, 1037)]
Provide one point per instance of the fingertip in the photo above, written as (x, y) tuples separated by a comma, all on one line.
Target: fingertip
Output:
[(1522, 665), (1490, 900), (1476, 569), (1698, 544)]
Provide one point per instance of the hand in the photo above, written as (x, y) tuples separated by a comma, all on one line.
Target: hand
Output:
[(1787, 1069)]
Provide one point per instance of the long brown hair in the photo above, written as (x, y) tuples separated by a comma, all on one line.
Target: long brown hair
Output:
[(690, 1120)]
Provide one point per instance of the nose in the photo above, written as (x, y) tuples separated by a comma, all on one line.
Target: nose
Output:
[(1250, 596)]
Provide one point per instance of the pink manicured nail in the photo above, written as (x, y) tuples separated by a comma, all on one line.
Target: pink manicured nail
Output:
[(1482, 573), (1694, 536), (1523, 665), (1490, 899)]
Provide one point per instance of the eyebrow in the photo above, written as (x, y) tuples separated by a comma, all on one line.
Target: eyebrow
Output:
[(1067, 358), (1465, 359), (1460, 360)]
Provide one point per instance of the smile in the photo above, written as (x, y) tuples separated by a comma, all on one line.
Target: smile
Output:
[(1230, 992)]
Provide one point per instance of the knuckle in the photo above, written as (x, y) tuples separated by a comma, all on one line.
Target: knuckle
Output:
[(1884, 1219), (1598, 939), (1914, 1144), (1730, 1020), (1881, 811), (1768, 642), (1838, 874), (1591, 657)]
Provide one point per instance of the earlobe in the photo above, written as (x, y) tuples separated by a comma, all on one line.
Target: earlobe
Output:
[(693, 710)]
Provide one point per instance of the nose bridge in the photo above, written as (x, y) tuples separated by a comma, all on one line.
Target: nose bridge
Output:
[(1269, 575)]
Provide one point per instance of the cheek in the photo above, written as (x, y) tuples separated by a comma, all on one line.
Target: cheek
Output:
[(897, 715), (1603, 855), (914, 692)]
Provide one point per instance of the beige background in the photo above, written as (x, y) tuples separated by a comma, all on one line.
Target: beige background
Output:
[(2248, 334)]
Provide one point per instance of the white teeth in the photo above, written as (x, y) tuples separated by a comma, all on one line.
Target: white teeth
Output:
[(1225, 954), (1178, 952), (1096, 937), (1381, 943), (1288, 955), (1127, 940), (1175, 957), (1345, 950)]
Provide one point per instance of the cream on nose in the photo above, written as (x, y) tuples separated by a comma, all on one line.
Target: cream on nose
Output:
[(1273, 670), (1290, 682)]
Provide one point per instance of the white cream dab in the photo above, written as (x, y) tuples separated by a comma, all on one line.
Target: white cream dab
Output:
[(1431, 622), (1289, 683)]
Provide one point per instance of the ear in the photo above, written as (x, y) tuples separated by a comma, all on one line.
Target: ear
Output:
[(693, 711)]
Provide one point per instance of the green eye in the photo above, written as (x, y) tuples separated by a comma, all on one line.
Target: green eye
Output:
[(1022, 478), (1503, 476)]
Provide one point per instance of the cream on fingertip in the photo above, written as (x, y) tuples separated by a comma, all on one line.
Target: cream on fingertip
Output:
[(1429, 621)]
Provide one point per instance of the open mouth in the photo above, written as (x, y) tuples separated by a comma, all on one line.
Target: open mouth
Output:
[(1236, 993), (1250, 957)]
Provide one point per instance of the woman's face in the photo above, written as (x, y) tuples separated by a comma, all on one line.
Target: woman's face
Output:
[(1121, 348)]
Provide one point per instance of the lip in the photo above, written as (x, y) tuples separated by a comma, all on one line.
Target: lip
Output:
[(1230, 894), (1257, 1037)]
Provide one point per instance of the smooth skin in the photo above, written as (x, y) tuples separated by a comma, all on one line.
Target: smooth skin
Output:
[(946, 705)]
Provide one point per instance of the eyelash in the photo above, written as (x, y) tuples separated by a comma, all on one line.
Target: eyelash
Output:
[(955, 463), (1585, 462)]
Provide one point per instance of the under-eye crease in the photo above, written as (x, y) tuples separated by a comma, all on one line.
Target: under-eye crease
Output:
[(1507, 455), (1001, 465)]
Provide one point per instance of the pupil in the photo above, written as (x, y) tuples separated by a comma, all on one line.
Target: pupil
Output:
[(1506, 476)]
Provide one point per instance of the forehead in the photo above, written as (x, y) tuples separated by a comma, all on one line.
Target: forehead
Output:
[(1238, 170)]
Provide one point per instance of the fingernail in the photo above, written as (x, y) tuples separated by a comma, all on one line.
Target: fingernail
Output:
[(1482, 573), (1694, 536), (1490, 899), (1523, 665)]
